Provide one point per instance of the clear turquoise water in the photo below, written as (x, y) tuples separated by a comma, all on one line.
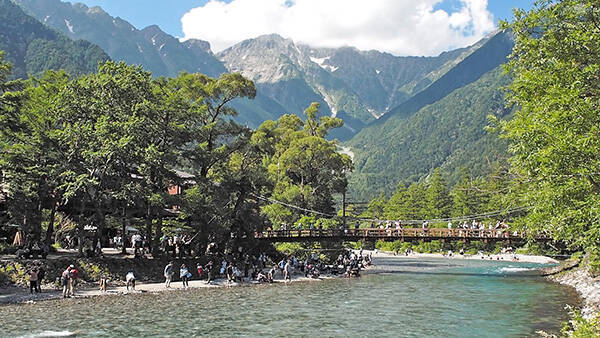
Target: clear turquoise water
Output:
[(399, 298)]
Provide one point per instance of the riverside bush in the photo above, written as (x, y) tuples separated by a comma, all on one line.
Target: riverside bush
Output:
[(392, 246), (593, 264), (429, 247), (580, 327)]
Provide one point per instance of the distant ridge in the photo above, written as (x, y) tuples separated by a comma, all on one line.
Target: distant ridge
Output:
[(489, 56), (33, 48)]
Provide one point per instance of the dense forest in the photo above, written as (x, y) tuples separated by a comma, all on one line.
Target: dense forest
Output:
[(449, 134), (105, 148)]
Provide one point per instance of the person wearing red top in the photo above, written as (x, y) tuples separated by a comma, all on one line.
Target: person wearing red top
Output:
[(199, 267), (73, 280)]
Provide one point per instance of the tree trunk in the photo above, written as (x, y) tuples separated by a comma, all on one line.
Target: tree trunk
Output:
[(50, 229), (80, 227), (100, 220), (149, 226), (157, 236), (125, 224)]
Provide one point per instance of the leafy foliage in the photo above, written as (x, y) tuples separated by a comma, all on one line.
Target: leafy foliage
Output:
[(303, 167), (554, 133)]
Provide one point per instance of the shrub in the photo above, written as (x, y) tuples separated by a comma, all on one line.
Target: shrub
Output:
[(580, 327), (593, 263), (288, 248), (430, 247)]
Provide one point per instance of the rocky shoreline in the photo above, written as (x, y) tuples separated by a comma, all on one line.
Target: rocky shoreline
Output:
[(587, 286)]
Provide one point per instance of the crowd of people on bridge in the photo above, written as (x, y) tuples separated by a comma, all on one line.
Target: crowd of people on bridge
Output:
[(470, 228)]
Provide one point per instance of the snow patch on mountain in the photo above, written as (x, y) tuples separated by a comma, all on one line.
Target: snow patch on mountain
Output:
[(69, 26), (321, 63)]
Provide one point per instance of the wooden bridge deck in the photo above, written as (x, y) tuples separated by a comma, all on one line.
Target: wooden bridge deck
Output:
[(405, 234)]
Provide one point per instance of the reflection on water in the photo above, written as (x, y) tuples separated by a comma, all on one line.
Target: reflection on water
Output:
[(401, 297)]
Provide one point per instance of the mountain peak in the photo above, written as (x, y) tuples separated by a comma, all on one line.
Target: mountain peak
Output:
[(152, 29), (199, 44), (96, 10)]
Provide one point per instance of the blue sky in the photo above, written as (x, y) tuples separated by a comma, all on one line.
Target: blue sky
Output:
[(205, 23)]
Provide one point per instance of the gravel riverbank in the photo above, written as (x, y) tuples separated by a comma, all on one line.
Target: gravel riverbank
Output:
[(586, 285)]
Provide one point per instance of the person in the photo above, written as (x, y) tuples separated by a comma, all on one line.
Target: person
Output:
[(130, 278), (65, 280), (184, 274), (168, 272), (287, 270), (199, 269), (223, 267), (261, 277), (208, 268), (103, 283), (137, 243), (33, 280), (74, 279), (229, 271), (41, 275), (99, 248), (271, 274)]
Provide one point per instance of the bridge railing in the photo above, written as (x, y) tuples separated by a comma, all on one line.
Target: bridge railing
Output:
[(438, 233)]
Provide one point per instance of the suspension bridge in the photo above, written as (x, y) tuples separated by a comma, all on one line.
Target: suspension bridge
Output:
[(403, 234)]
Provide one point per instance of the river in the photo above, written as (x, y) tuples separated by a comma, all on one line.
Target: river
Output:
[(400, 298)]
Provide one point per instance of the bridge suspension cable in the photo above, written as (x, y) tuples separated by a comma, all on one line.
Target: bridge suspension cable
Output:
[(450, 219), (291, 205), (414, 221)]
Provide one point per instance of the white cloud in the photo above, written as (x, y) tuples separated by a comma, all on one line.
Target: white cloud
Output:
[(400, 27)]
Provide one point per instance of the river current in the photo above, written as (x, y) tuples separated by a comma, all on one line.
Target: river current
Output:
[(398, 298)]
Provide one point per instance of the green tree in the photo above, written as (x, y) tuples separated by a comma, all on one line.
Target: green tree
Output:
[(376, 208), (30, 160), (554, 134), (416, 201), (464, 198), (396, 207), (103, 131), (438, 201), (304, 168)]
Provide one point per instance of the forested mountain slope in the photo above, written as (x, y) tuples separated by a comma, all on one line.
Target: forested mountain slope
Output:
[(448, 133), (33, 48)]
